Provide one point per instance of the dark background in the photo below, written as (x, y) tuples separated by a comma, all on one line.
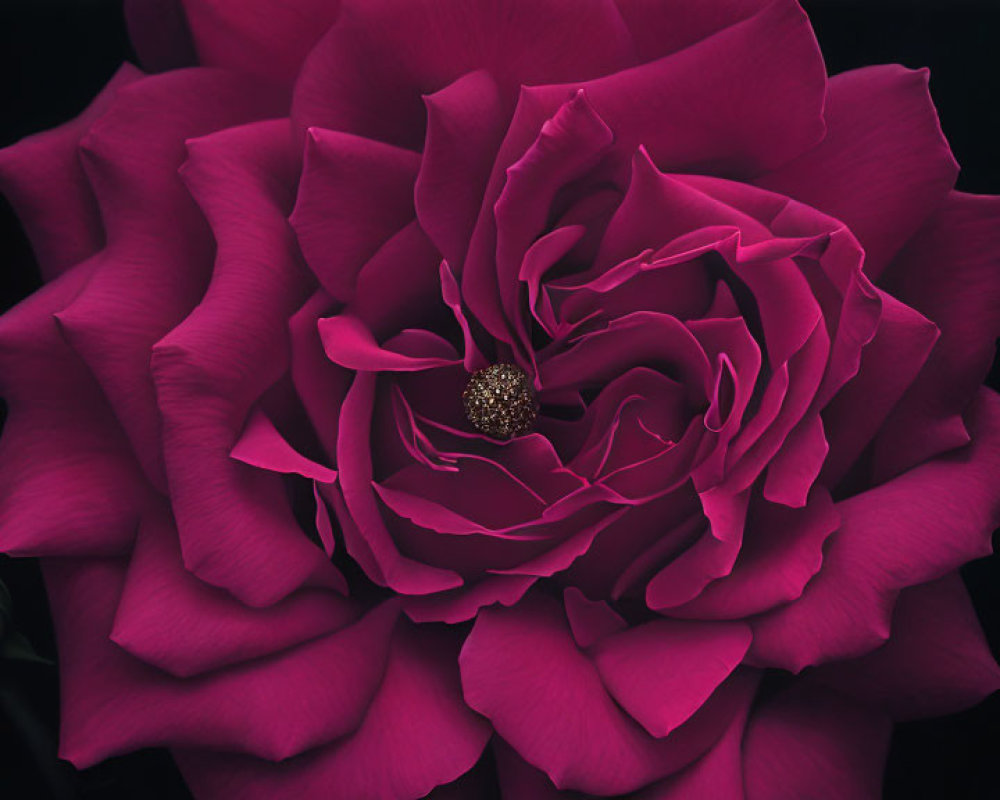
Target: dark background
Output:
[(54, 57)]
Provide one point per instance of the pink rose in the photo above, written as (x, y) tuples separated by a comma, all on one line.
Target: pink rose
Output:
[(442, 395)]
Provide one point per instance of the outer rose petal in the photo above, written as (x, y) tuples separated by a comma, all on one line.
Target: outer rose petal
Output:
[(270, 38), (69, 484), (465, 125), (272, 708), (159, 250), (43, 179), (368, 74), (808, 742), (884, 165), (660, 28), (170, 619), (915, 528), (417, 735), (212, 368), (662, 672), (159, 34), (354, 194), (936, 661), (522, 669), (950, 272)]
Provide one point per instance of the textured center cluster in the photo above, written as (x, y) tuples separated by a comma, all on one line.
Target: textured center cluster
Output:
[(499, 401)]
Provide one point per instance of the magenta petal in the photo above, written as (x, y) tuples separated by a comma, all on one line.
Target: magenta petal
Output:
[(744, 99), (937, 660), (808, 742), (170, 619), (717, 774), (590, 620), (519, 780), (159, 34), (662, 672), (659, 29), (889, 364), (69, 483), (113, 703), (269, 38), (963, 300), (348, 343), (159, 250), (416, 735), (320, 384), (913, 529), (43, 179), (354, 194), (882, 133), (211, 369), (465, 125), (261, 445), (462, 604), (522, 669), (365, 533), (782, 551), (368, 74)]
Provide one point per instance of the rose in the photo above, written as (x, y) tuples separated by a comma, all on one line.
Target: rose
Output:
[(720, 275)]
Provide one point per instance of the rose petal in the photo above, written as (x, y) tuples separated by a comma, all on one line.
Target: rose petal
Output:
[(963, 300), (354, 194), (170, 619), (781, 552), (465, 125), (808, 742), (269, 38), (663, 671), (69, 483), (211, 369), (261, 445), (883, 134), (43, 179), (889, 364), (159, 34), (913, 529), (367, 75), (660, 29), (590, 620), (158, 257), (320, 384), (937, 660), (416, 722), (113, 703), (521, 668)]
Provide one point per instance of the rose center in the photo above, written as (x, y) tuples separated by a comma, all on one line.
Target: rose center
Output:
[(499, 401)]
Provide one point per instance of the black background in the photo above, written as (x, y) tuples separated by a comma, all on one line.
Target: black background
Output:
[(54, 57)]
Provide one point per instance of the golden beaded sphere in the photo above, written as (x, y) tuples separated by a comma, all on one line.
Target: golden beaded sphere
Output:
[(499, 401)]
